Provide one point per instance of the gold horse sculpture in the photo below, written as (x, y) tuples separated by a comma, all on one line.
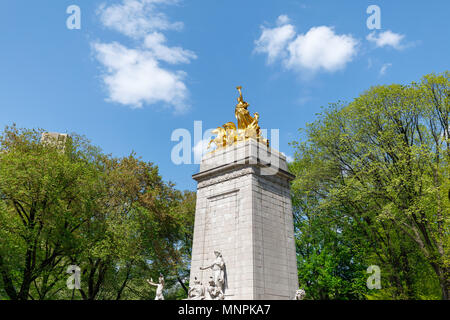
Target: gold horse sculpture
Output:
[(247, 127)]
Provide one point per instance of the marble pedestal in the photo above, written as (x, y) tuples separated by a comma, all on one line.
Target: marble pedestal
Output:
[(244, 211)]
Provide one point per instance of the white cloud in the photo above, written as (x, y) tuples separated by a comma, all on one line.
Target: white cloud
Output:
[(137, 76), (321, 48), (274, 41), (318, 49), (304, 99), (288, 158), (386, 38), (134, 77), (283, 19), (136, 18), (200, 149), (155, 42), (384, 68)]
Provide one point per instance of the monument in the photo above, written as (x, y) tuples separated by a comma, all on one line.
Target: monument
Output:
[(244, 217)]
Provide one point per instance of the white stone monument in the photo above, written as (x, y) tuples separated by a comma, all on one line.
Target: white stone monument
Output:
[(244, 212)]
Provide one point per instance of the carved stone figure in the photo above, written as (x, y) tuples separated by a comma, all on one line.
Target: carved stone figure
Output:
[(219, 271), (159, 287), (300, 294), (214, 292), (197, 291)]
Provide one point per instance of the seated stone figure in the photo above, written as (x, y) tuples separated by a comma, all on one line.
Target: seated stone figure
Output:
[(197, 291), (214, 292)]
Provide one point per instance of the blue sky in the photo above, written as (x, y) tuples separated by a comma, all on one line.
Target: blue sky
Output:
[(139, 69)]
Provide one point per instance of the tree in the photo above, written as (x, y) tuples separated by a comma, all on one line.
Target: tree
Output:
[(46, 195), (330, 263), (380, 167), (115, 218)]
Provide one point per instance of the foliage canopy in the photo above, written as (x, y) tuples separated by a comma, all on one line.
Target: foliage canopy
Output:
[(372, 188), (115, 218)]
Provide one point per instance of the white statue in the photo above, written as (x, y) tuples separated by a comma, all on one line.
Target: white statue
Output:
[(300, 294), (214, 292), (197, 291), (159, 287), (219, 272)]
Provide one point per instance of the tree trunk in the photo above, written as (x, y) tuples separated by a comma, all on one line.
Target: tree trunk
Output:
[(122, 287), (7, 281), (182, 285), (27, 277), (445, 284), (444, 280)]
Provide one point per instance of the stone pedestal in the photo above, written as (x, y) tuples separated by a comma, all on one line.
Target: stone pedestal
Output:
[(244, 211)]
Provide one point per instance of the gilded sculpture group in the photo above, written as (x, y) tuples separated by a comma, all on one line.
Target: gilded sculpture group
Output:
[(247, 128)]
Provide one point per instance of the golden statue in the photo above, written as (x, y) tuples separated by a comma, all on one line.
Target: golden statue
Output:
[(243, 117), (247, 127), (225, 135)]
